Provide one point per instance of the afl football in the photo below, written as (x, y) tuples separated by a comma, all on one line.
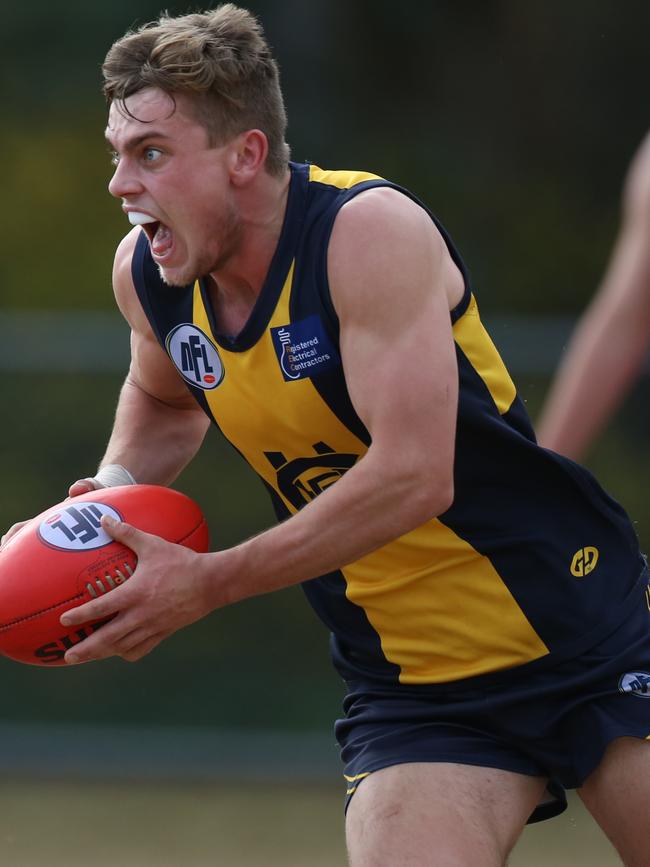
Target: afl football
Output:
[(63, 558)]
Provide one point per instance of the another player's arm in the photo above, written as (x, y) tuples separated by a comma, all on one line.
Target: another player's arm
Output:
[(158, 426), (610, 344), (391, 281)]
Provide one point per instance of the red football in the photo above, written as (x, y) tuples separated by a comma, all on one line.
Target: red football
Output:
[(63, 558)]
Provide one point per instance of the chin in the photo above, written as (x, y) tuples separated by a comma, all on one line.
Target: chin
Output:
[(178, 276)]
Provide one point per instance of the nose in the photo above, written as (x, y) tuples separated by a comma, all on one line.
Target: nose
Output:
[(124, 182)]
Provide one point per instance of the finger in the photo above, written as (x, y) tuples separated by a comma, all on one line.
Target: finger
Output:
[(79, 655), (130, 645), (123, 644), (15, 528), (89, 653), (144, 647), (102, 643), (127, 534), (135, 644), (110, 603), (104, 606), (83, 486)]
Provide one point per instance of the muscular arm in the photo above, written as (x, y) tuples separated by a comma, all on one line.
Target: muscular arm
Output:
[(390, 279), (393, 284), (611, 341), (158, 426)]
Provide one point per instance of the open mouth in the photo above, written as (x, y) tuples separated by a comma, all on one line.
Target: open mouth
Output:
[(160, 235), (151, 229)]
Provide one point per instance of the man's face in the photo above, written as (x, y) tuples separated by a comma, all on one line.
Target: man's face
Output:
[(165, 171)]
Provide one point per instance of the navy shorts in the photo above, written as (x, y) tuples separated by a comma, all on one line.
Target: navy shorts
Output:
[(552, 722)]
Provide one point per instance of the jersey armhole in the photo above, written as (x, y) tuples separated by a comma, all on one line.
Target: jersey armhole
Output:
[(323, 281)]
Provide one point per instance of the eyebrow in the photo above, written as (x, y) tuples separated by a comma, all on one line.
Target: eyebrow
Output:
[(132, 143)]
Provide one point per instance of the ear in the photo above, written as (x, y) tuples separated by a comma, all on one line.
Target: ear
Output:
[(248, 156)]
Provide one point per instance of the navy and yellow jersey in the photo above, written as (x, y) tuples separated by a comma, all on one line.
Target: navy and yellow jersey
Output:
[(532, 563)]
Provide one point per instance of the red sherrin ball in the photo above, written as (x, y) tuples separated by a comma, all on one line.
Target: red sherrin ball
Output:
[(63, 558)]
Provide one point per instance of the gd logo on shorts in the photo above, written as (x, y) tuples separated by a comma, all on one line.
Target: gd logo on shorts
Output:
[(584, 561)]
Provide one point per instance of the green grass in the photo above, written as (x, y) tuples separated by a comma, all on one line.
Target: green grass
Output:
[(68, 824), (145, 825)]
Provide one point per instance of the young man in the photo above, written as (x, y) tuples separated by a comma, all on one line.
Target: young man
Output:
[(611, 342), (487, 600)]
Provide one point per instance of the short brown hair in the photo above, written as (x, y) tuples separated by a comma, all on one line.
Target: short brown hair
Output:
[(220, 57)]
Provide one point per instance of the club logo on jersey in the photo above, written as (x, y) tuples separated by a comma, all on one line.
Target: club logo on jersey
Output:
[(77, 528), (303, 348), (636, 683), (303, 479), (195, 356), (584, 561)]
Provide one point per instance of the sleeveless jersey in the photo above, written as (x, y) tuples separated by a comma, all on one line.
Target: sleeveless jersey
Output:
[(532, 563)]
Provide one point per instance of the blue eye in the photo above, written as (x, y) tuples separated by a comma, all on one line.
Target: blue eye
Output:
[(152, 154)]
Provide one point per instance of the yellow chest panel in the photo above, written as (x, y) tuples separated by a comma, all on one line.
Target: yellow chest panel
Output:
[(262, 414), (414, 590)]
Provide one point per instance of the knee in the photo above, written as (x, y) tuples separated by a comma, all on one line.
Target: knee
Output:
[(374, 821), (433, 814), (384, 829)]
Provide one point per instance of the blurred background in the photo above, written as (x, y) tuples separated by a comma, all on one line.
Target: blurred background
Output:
[(515, 123)]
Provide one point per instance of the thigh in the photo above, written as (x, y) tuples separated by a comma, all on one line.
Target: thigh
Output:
[(617, 794), (440, 814)]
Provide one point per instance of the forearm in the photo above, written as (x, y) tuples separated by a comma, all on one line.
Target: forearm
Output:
[(611, 341), (592, 381), (366, 509), (152, 439)]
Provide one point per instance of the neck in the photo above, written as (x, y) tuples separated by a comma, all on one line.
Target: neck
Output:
[(238, 283)]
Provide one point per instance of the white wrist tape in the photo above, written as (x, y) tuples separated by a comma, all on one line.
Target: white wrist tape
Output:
[(113, 475)]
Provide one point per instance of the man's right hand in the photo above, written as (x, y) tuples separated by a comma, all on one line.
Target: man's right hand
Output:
[(81, 486)]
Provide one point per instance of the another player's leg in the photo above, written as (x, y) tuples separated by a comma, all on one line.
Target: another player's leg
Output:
[(447, 815), (617, 794)]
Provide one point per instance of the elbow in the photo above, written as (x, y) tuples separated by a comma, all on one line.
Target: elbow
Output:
[(430, 501), (445, 499), (440, 500)]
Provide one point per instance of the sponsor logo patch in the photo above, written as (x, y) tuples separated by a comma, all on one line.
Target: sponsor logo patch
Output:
[(584, 561), (77, 528), (195, 356), (636, 683), (303, 348)]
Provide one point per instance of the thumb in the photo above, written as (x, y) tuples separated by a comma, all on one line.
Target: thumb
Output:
[(123, 532)]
